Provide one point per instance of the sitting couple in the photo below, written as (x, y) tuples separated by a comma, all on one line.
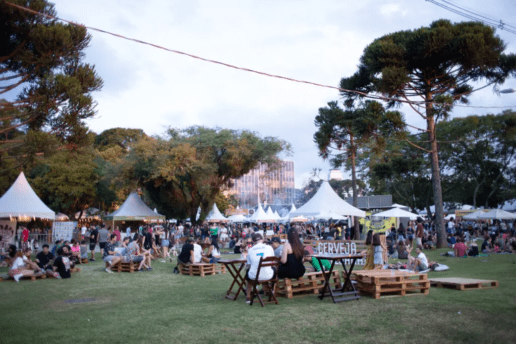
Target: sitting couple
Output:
[(291, 261), (132, 251)]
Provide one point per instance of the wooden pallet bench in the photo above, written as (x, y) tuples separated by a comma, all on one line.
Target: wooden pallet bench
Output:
[(124, 267), (310, 283), (84, 261), (31, 278), (463, 283), (202, 269), (384, 283)]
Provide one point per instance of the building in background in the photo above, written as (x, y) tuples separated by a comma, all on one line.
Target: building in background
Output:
[(335, 175), (272, 188)]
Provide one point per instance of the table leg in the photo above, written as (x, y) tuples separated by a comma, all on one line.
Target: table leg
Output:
[(327, 279), (237, 278), (348, 278)]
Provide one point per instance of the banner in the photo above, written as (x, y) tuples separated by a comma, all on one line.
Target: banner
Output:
[(63, 230), (378, 224)]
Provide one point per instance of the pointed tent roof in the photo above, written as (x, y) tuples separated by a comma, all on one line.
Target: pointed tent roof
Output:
[(326, 200), (474, 216), (260, 216), (293, 208), (134, 209), (497, 214), (21, 200), (215, 215), (397, 212)]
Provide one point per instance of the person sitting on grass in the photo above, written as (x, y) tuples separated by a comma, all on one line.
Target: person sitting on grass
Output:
[(76, 250), (256, 252), (291, 263), (213, 255), (403, 252), (84, 250), (315, 263), (486, 245), (18, 268), (419, 263), (62, 263), (27, 253), (110, 256), (460, 248), (186, 256), (57, 246), (44, 260), (379, 248)]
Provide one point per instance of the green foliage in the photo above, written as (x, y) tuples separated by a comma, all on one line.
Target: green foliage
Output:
[(190, 168), (117, 137), (40, 61)]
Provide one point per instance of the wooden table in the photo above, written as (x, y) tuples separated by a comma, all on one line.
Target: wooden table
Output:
[(235, 267), (339, 292)]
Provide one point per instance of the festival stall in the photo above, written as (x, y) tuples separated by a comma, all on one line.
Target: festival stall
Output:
[(21, 204), (134, 210), (215, 215)]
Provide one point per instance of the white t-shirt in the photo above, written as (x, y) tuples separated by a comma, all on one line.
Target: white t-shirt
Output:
[(215, 252), (422, 258), (83, 230), (18, 263), (197, 252), (253, 259)]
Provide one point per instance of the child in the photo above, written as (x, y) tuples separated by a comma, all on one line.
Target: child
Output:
[(315, 262), (378, 247), (84, 250)]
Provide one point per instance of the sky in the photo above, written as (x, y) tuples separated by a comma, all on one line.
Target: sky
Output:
[(321, 41)]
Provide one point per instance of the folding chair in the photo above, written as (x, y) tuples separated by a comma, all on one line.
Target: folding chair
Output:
[(272, 262)]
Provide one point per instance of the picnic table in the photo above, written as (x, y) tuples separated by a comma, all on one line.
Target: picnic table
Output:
[(339, 294), (235, 267)]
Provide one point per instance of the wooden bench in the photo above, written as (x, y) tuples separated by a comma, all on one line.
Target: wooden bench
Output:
[(202, 269), (310, 283), (385, 283), (32, 278), (124, 267), (84, 261)]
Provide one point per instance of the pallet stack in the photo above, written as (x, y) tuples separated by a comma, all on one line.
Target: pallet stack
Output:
[(310, 283), (463, 283), (202, 269), (384, 283), (124, 267)]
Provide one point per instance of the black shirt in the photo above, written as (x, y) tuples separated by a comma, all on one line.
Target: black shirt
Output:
[(148, 241), (63, 266), (44, 259), (184, 256), (108, 248), (93, 236)]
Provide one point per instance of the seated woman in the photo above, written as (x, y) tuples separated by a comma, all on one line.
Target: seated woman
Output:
[(144, 251), (403, 252), (473, 249), (76, 250), (133, 253), (27, 253), (291, 263), (84, 250), (238, 245), (213, 255), (18, 268)]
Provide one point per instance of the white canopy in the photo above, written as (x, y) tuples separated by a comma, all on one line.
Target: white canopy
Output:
[(329, 216), (397, 212), (215, 215), (237, 218), (497, 214), (260, 216), (134, 209), (327, 200), (276, 215), (396, 205), (21, 201), (473, 216), (293, 208), (300, 218)]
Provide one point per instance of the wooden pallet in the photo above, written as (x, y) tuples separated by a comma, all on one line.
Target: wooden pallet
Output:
[(31, 278), (385, 283), (84, 261), (310, 283), (124, 267), (463, 283), (202, 269)]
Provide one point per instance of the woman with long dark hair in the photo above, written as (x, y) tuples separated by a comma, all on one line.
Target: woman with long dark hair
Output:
[(291, 264), (213, 255)]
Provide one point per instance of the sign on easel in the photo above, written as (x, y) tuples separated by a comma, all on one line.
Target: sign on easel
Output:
[(334, 248), (63, 230)]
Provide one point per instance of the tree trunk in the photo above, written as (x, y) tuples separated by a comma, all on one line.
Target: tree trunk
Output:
[(356, 222), (436, 179)]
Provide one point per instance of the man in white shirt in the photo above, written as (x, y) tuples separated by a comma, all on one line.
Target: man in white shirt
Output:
[(254, 254), (197, 252), (420, 263)]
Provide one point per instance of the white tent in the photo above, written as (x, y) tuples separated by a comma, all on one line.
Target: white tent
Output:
[(215, 215), (299, 218), (327, 200), (329, 216), (473, 216), (497, 214), (396, 205), (237, 218), (22, 202), (397, 212), (293, 208), (133, 209), (276, 216), (260, 216)]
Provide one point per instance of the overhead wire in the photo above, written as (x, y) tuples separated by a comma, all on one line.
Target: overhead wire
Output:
[(501, 23), (474, 17), (366, 95)]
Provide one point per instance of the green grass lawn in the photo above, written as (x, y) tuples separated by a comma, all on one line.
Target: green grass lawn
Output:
[(161, 307)]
